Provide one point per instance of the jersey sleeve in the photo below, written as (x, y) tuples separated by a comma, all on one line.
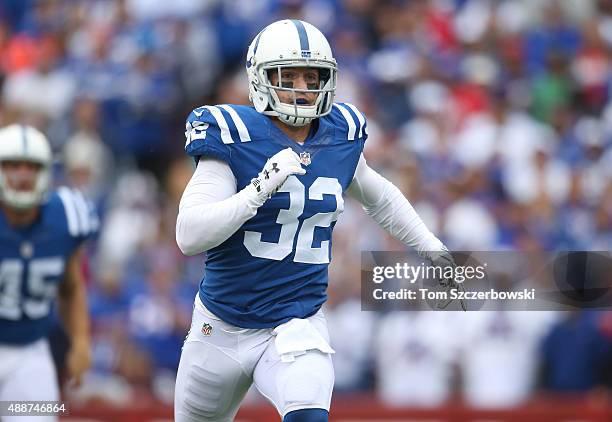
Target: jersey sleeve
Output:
[(81, 218), (351, 121), (206, 134)]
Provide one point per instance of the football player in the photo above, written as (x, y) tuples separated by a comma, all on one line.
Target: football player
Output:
[(263, 201), (40, 259)]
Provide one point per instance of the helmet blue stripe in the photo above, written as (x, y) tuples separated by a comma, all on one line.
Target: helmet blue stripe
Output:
[(302, 33), (257, 41), (24, 139)]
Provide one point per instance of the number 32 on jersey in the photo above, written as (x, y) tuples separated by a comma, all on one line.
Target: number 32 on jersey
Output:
[(289, 221)]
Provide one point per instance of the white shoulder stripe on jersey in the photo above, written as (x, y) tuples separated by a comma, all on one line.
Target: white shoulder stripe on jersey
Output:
[(349, 119), (226, 136), (242, 129), (83, 212), (71, 211), (360, 117), (82, 219)]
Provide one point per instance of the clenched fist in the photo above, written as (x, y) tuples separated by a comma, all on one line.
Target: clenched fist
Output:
[(276, 170)]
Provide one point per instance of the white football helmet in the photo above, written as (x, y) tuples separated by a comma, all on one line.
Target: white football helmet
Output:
[(25, 143), (290, 43)]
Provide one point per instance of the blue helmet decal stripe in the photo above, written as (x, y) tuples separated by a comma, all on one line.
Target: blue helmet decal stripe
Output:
[(24, 139), (249, 62), (257, 41), (304, 45)]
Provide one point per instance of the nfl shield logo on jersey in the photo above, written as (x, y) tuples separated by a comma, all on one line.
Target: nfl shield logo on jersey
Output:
[(206, 329), (27, 250), (305, 158)]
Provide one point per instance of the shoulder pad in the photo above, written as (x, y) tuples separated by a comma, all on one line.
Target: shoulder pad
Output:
[(210, 130), (350, 121), (81, 218)]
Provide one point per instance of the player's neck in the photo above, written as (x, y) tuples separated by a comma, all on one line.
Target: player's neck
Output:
[(19, 218), (297, 133)]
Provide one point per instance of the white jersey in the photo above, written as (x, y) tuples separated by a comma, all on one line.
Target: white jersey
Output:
[(499, 358), (414, 357), (351, 333)]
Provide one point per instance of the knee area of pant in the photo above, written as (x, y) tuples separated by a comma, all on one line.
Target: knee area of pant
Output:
[(307, 415)]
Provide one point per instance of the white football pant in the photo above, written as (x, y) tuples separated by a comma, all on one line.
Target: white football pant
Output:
[(27, 373), (220, 361)]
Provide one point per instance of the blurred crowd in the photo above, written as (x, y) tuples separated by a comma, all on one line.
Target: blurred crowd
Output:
[(493, 117)]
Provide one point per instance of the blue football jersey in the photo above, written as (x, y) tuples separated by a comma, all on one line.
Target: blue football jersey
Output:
[(33, 262), (274, 267)]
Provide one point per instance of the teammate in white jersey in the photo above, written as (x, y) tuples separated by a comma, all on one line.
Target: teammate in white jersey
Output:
[(263, 201)]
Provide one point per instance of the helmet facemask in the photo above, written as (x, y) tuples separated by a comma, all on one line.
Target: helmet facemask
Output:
[(18, 145), (294, 113), (22, 199)]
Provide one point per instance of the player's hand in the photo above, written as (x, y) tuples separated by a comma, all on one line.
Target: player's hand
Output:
[(280, 166), (444, 259), (78, 361)]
